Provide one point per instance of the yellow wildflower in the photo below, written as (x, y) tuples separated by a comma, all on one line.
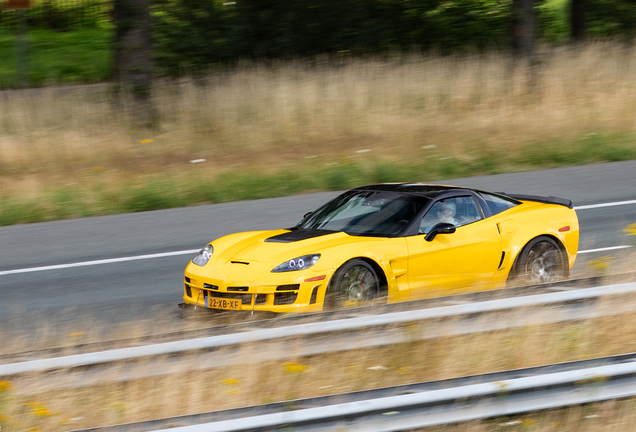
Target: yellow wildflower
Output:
[(294, 367), (598, 378), (230, 381), (630, 230), (76, 334), (146, 141), (5, 386), (404, 370), (39, 409), (601, 263)]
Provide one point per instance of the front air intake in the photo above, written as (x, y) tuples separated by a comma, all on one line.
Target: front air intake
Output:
[(243, 288), (285, 298), (293, 287)]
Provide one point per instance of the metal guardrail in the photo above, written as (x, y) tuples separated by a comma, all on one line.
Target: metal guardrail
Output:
[(423, 404), (446, 406), (383, 324)]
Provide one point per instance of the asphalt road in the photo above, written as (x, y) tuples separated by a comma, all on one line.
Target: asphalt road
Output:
[(125, 291)]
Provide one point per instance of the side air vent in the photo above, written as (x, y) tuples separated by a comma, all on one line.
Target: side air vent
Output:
[(503, 255), (188, 290), (240, 262), (314, 295)]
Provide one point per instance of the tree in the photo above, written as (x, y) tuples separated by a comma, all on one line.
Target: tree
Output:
[(524, 25), (578, 24), (133, 57)]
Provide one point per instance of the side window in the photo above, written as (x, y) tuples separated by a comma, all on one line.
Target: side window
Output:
[(497, 204), (458, 211)]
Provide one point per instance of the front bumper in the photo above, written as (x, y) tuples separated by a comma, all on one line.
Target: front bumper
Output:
[(294, 297)]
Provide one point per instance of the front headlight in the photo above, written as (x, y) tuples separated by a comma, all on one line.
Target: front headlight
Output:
[(203, 256), (300, 263)]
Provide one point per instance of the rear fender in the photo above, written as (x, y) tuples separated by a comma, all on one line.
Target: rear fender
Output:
[(563, 227), (513, 268)]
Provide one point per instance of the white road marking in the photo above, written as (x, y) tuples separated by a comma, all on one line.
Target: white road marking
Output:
[(97, 262), (193, 251), (611, 204), (185, 252), (603, 249)]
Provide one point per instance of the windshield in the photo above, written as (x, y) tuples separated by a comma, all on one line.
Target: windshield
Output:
[(378, 213)]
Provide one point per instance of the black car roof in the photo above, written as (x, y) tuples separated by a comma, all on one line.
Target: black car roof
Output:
[(423, 189)]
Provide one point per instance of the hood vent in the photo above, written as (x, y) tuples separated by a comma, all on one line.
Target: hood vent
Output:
[(297, 235)]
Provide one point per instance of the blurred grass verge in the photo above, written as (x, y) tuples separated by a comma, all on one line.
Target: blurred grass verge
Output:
[(290, 127), (176, 189)]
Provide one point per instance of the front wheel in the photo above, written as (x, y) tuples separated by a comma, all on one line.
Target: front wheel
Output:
[(354, 284), (541, 261)]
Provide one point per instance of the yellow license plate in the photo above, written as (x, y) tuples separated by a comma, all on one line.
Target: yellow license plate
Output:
[(220, 303)]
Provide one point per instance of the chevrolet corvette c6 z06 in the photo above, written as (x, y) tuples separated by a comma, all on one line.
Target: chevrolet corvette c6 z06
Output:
[(388, 243)]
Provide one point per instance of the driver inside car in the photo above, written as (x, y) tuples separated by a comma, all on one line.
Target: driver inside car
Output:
[(441, 212)]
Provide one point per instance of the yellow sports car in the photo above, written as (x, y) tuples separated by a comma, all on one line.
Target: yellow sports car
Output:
[(388, 242)]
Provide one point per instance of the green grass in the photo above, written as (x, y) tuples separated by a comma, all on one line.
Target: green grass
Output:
[(80, 56), (102, 196)]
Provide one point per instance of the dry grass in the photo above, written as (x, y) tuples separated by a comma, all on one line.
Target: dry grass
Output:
[(237, 385), (290, 114)]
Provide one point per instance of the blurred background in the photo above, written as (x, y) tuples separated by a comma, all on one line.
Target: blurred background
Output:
[(130, 105), (123, 106)]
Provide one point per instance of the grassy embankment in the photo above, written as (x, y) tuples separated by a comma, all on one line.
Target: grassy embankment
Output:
[(294, 127)]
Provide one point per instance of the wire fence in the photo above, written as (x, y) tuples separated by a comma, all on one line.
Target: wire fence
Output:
[(59, 15)]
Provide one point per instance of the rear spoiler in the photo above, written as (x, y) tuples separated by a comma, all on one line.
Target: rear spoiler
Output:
[(546, 200)]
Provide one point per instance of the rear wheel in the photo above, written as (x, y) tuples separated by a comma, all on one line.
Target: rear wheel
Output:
[(541, 261), (354, 284)]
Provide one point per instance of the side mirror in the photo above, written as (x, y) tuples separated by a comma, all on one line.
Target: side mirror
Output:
[(440, 228), (307, 215)]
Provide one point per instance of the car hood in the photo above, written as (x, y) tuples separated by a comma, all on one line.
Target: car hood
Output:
[(281, 245)]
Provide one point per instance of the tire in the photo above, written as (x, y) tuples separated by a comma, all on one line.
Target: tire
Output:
[(541, 261), (354, 284)]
